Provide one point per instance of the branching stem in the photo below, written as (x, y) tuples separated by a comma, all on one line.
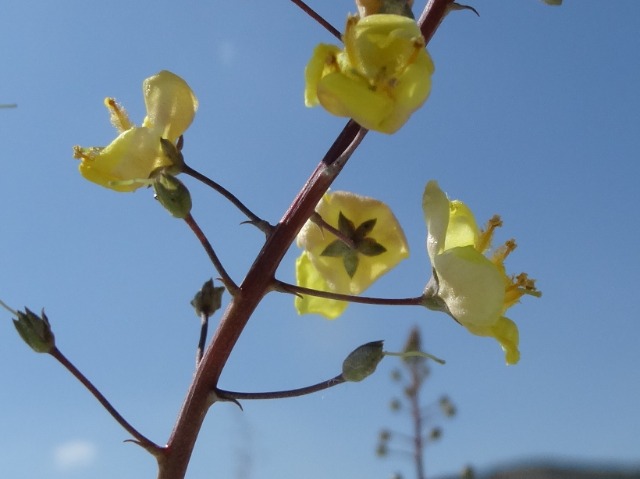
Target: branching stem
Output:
[(318, 18), (290, 393), (283, 287), (259, 280), (204, 327), (231, 286), (254, 219), (139, 438)]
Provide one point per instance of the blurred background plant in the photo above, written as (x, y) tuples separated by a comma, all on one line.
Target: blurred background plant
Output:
[(426, 419)]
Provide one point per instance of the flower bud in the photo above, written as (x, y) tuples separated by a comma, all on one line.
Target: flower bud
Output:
[(174, 154), (173, 195), (208, 300), (35, 331), (362, 361)]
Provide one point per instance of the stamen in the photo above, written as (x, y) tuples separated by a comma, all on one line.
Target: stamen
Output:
[(518, 287), (119, 118), (79, 153), (505, 250), (527, 285), (484, 239)]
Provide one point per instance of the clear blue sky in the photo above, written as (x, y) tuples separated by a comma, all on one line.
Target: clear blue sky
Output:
[(534, 114)]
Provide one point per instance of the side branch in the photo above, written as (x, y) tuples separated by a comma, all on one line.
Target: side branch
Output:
[(141, 440), (283, 287), (290, 393), (254, 219), (224, 276)]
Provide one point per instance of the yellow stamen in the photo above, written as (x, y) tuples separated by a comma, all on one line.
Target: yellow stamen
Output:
[(80, 153), (500, 254), (520, 285), (119, 118), (484, 239)]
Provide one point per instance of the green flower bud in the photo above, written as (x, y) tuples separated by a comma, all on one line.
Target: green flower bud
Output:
[(362, 361), (35, 331), (208, 300), (173, 195)]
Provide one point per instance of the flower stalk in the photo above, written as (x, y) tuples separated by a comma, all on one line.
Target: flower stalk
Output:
[(259, 280)]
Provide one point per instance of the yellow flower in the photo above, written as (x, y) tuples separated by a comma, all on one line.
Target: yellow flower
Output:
[(136, 153), (379, 79), (475, 289), (371, 243)]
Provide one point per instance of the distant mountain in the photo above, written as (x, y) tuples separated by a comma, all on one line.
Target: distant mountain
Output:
[(553, 471)]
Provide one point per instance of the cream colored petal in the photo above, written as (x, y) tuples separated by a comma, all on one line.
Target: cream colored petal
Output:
[(471, 286), (435, 206), (171, 105)]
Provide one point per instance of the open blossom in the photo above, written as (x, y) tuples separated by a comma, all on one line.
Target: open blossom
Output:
[(379, 79), (475, 288), (136, 153), (372, 242)]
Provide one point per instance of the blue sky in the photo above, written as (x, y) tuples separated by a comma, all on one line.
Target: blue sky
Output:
[(534, 114)]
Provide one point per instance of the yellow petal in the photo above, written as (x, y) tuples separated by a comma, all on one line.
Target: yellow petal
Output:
[(382, 42), (353, 98), (506, 332), (435, 206), (308, 276), (411, 90), (171, 105), (462, 229), (358, 209), (133, 155), (323, 62)]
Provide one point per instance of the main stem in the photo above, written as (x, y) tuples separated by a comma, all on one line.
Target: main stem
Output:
[(173, 463)]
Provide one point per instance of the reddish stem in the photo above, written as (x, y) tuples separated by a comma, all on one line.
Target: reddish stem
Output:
[(176, 455)]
